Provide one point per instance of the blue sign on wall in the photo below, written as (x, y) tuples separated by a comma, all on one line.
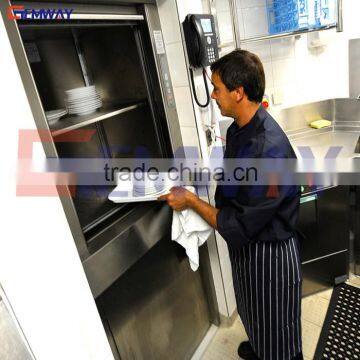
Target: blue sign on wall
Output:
[(293, 15)]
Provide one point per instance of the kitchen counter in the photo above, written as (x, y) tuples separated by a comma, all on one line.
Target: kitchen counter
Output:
[(320, 141), (344, 115)]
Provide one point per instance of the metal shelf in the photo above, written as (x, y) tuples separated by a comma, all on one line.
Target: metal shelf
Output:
[(240, 41), (73, 122), (285, 35)]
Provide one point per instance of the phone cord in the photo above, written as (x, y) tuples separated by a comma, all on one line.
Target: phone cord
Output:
[(206, 88)]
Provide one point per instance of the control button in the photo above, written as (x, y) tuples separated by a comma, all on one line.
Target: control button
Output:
[(208, 39)]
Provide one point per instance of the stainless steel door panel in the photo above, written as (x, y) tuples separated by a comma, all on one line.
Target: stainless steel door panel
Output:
[(131, 238)]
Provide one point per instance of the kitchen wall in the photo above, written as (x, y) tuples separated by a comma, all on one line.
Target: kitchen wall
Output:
[(40, 269), (179, 76), (296, 73)]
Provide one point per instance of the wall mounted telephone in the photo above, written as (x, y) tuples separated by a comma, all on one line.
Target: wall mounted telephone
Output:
[(200, 38), (201, 45)]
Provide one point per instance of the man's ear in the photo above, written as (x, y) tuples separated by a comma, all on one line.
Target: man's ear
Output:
[(239, 93)]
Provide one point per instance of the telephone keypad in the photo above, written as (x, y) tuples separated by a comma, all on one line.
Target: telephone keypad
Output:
[(211, 54)]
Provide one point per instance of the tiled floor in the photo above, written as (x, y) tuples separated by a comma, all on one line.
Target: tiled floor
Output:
[(226, 341)]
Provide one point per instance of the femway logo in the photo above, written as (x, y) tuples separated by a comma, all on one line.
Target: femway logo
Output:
[(19, 12)]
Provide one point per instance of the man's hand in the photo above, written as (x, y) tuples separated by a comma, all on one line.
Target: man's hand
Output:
[(179, 198)]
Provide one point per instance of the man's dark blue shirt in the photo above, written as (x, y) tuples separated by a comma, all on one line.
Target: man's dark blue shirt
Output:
[(257, 212)]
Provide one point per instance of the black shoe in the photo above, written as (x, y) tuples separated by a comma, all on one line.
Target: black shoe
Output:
[(246, 351)]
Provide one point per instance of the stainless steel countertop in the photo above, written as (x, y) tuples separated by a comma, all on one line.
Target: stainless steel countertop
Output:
[(344, 113), (320, 142)]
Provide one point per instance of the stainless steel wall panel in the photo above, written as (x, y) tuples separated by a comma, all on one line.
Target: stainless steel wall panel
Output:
[(348, 109), (113, 63), (133, 135), (57, 68), (354, 68)]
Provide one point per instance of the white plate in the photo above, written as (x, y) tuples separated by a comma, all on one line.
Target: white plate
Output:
[(153, 185), (55, 113), (81, 95), (52, 121), (147, 193), (81, 90), (85, 107), (85, 112), (125, 191), (81, 108), (118, 195), (90, 107), (149, 188), (82, 100), (53, 116), (83, 103), (92, 102)]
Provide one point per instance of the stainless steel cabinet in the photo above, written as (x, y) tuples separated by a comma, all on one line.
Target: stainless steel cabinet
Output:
[(324, 244)]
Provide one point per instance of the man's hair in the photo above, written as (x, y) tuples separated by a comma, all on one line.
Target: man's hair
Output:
[(242, 68)]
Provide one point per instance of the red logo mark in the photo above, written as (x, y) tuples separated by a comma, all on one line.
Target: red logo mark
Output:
[(12, 12), (31, 183)]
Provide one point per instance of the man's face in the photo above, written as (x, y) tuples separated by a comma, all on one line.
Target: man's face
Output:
[(225, 99)]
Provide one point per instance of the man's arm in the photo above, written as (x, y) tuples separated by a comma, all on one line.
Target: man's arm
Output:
[(205, 210)]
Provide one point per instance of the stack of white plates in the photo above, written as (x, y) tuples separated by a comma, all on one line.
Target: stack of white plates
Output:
[(147, 186), (82, 101), (53, 116)]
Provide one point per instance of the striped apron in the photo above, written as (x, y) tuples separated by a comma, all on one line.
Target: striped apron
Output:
[(267, 283)]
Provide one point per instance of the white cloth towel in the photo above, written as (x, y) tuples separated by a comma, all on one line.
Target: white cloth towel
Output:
[(190, 230)]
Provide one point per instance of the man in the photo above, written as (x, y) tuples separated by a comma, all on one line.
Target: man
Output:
[(256, 222)]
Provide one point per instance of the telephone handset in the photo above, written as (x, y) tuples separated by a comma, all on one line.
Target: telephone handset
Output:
[(200, 38), (201, 45), (200, 53)]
